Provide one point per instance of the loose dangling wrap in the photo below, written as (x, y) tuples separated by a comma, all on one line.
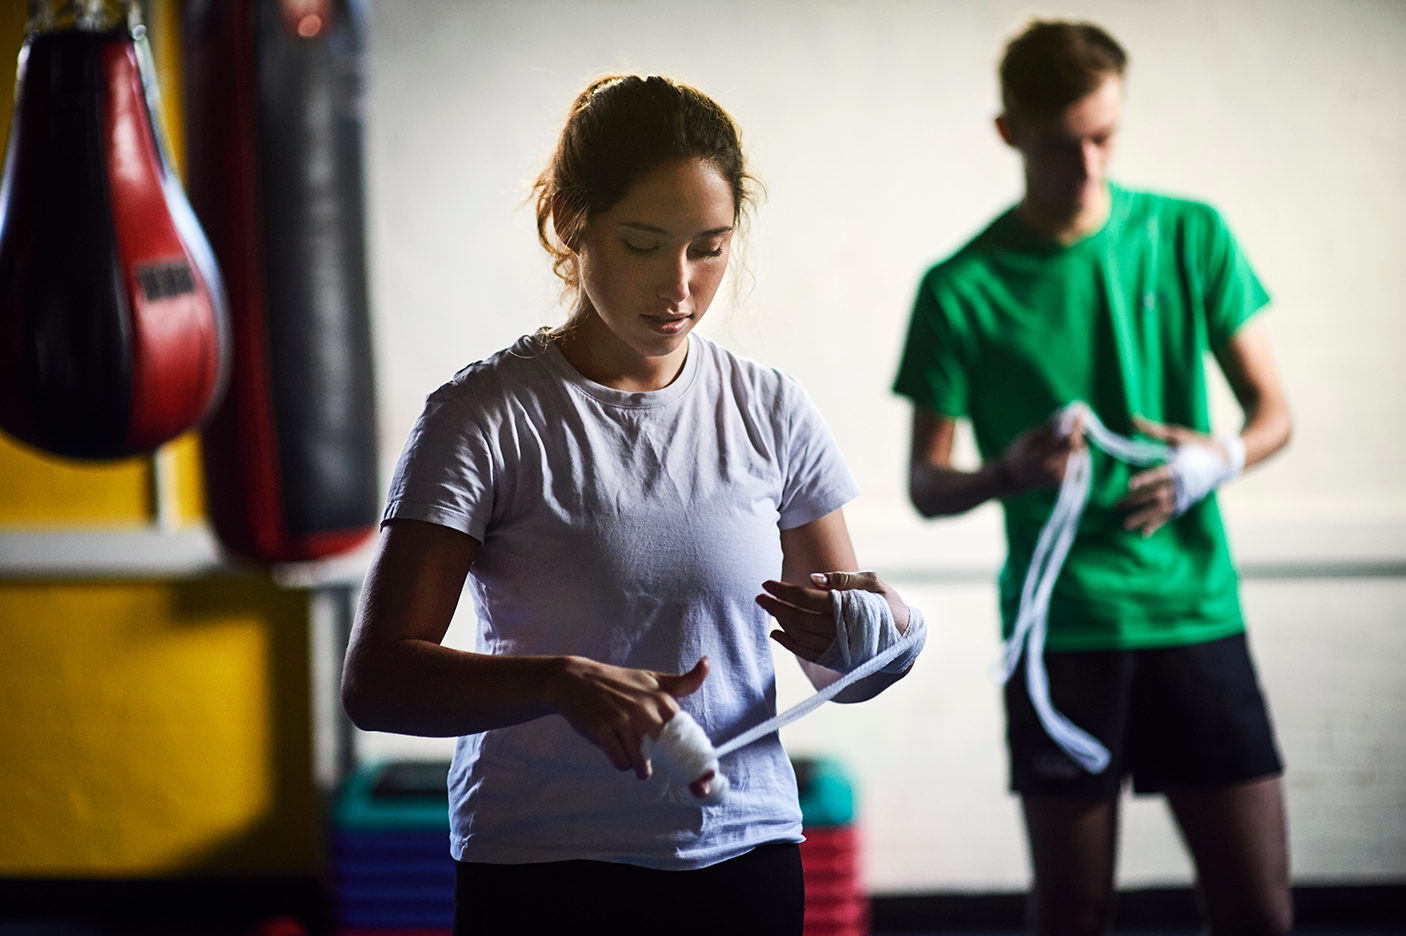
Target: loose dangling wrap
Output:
[(1196, 471), (868, 641)]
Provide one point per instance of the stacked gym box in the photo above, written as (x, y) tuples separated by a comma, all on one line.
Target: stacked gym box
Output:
[(393, 872), (394, 875)]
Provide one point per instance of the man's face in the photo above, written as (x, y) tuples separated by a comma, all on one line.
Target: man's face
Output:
[(1066, 155)]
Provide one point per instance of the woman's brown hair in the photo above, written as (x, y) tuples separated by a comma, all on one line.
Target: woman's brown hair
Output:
[(620, 129)]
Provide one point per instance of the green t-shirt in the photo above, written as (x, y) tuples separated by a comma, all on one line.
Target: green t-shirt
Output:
[(1012, 327)]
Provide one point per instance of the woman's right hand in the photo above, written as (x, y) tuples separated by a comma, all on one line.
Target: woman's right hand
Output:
[(614, 707)]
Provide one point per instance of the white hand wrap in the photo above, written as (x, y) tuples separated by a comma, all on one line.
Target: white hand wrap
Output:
[(864, 628), (684, 752), (1197, 470), (865, 633)]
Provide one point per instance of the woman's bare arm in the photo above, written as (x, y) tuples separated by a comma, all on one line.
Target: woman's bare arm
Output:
[(399, 678), (804, 613)]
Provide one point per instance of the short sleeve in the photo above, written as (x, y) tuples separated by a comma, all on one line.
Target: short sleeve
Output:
[(930, 372), (817, 480), (1231, 290), (446, 470)]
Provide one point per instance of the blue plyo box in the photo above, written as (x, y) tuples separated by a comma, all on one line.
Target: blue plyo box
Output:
[(391, 860)]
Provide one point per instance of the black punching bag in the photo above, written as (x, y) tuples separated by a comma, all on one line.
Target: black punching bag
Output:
[(273, 95), (113, 333)]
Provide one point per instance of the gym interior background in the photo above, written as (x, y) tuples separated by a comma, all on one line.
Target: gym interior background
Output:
[(168, 715)]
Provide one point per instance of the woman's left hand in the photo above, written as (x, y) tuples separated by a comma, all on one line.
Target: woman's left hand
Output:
[(807, 615)]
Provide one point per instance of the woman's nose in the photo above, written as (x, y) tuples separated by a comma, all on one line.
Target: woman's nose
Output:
[(673, 285)]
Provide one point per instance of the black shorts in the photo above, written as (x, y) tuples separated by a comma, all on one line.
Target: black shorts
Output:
[(1171, 716), (761, 892)]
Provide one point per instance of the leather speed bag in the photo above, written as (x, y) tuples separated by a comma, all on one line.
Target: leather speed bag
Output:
[(113, 327)]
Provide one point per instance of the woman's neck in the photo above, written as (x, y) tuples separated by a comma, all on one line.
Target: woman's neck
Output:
[(600, 355)]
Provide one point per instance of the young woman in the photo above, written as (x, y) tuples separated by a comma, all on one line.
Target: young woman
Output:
[(616, 491)]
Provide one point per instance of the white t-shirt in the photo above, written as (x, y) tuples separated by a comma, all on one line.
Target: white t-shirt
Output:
[(634, 529)]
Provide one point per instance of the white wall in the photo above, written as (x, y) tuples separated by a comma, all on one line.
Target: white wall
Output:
[(870, 124)]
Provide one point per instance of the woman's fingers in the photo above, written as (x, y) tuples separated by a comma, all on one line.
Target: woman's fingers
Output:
[(634, 748), (615, 707), (866, 580), (802, 624), (612, 745), (807, 648), (814, 600), (684, 684), (789, 644), (806, 617), (703, 786), (809, 644)]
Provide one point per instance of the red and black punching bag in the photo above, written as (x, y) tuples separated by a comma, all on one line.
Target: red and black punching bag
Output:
[(113, 330), (272, 97)]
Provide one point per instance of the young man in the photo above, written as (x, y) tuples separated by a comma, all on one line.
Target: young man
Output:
[(1088, 291)]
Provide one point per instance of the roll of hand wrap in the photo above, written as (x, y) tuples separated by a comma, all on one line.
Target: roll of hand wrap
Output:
[(273, 110), (113, 331)]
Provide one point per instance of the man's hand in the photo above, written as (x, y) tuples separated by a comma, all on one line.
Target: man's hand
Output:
[(1036, 458), (1199, 464)]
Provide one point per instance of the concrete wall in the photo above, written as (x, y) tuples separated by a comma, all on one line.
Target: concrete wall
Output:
[(870, 125)]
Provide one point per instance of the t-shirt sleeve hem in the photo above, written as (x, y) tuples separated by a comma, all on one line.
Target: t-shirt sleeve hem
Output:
[(1250, 315), (432, 513), (798, 515), (945, 409)]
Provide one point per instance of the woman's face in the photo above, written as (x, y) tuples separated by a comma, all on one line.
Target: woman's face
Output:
[(652, 263)]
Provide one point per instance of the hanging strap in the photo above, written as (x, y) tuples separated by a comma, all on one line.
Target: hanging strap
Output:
[(1051, 549)]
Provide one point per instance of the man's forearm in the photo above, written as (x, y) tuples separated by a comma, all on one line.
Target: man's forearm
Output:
[(940, 492), (1268, 425)]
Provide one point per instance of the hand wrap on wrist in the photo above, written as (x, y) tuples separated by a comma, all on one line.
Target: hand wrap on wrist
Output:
[(1197, 470), (866, 641), (864, 628)]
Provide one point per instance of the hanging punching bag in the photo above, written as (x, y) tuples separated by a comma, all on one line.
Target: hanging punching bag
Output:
[(272, 94), (113, 331)]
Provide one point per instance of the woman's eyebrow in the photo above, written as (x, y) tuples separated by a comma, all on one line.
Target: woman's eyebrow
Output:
[(653, 229)]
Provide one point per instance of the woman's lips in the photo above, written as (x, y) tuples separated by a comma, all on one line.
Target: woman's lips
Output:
[(667, 324)]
